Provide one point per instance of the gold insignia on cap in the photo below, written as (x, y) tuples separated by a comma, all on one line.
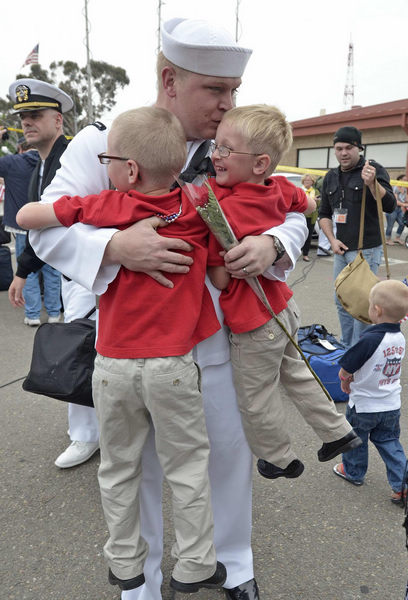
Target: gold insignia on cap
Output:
[(22, 92)]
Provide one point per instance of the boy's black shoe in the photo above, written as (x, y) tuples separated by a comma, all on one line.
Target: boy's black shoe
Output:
[(215, 581), (245, 591), (331, 449), (126, 584), (270, 471)]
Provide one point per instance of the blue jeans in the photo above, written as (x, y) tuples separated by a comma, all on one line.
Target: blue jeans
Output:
[(351, 328), (32, 291), (383, 429), (396, 215)]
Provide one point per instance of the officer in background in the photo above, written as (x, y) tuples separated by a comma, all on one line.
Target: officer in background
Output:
[(40, 106)]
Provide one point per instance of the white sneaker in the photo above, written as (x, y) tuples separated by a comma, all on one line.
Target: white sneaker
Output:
[(32, 322), (54, 319), (76, 454)]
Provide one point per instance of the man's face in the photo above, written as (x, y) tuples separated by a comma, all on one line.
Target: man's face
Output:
[(200, 101), (40, 127), (347, 155)]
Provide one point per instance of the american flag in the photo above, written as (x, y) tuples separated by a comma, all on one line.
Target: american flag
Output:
[(32, 58)]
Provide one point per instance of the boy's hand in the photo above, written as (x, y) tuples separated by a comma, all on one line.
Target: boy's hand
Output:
[(141, 248), (345, 380), (345, 387)]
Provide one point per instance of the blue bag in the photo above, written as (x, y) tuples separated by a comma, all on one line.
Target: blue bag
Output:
[(323, 351)]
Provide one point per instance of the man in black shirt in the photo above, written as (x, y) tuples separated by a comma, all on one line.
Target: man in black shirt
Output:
[(341, 203)]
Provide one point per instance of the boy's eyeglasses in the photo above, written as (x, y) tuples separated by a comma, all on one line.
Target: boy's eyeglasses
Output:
[(224, 151), (105, 159)]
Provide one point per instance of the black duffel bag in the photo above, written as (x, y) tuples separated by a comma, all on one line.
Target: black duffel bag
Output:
[(63, 361), (6, 269)]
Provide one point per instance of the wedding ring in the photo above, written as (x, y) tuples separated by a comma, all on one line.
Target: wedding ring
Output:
[(245, 270)]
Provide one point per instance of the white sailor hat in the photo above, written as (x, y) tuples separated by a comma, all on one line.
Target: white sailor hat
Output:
[(33, 94), (203, 48)]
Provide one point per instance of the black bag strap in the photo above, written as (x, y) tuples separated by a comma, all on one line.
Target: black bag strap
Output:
[(90, 313), (312, 332)]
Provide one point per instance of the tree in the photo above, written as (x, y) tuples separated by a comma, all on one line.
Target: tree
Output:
[(67, 75)]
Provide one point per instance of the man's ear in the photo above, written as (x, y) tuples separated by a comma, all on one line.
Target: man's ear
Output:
[(261, 164), (133, 171), (168, 76), (59, 119)]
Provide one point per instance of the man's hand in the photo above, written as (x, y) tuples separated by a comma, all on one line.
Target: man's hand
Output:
[(368, 174), (338, 247), (141, 248), (15, 291), (251, 257)]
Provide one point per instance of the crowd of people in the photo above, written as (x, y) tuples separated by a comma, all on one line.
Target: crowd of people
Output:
[(188, 359)]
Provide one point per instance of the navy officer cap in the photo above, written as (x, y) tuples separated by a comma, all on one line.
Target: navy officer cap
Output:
[(33, 94)]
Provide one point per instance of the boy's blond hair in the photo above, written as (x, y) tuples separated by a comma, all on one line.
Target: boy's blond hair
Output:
[(392, 297), (154, 138), (264, 128)]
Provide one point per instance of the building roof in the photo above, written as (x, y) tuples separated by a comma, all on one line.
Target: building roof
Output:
[(388, 114)]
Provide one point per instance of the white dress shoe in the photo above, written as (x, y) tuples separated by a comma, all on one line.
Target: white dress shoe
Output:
[(54, 319), (76, 454), (32, 322)]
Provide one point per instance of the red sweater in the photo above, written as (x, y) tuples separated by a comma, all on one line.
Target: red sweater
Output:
[(138, 317), (252, 209)]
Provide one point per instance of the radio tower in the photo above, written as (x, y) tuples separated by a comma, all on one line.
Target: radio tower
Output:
[(348, 99)]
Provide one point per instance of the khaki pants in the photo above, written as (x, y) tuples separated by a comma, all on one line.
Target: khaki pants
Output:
[(129, 394), (262, 359)]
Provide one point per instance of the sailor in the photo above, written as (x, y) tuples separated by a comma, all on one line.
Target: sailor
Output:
[(199, 72)]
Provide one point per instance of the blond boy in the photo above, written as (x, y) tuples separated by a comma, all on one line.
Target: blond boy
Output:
[(249, 144), (370, 372)]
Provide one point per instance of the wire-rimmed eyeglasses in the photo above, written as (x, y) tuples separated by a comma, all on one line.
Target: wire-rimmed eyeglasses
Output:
[(105, 159), (224, 151)]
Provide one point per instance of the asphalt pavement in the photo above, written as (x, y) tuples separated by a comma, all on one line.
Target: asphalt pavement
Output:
[(314, 538)]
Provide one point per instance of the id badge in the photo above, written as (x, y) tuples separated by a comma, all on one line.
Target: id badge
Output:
[(340, 215)]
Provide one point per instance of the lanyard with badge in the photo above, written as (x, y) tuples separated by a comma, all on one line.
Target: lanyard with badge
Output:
[(340, 213)]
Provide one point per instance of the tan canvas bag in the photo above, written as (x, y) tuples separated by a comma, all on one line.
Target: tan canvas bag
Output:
[(353, 284)]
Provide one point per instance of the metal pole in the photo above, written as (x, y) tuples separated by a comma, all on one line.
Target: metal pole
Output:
[(89, 110), (158, 26), (237, 19)]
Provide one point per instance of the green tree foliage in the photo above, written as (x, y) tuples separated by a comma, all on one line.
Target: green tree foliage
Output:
[(67, 75)]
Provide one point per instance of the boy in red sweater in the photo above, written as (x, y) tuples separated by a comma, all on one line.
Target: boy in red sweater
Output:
[(144, 370), (249, 144)]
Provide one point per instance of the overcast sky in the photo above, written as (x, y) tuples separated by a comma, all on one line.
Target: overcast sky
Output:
[(300, 47)]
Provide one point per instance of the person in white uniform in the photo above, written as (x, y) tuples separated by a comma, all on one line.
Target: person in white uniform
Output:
[(199, 71)]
